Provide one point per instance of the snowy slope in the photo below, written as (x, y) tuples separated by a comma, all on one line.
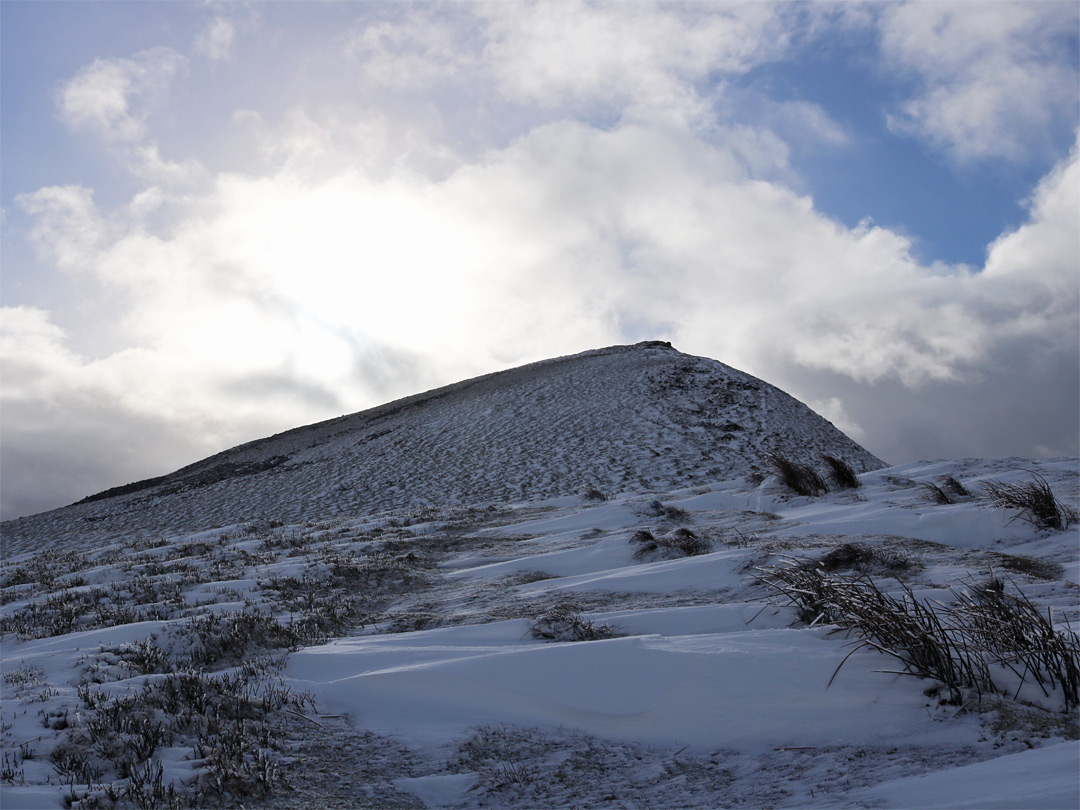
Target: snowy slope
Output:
[(624, 419), (436, 687), (414, 607)]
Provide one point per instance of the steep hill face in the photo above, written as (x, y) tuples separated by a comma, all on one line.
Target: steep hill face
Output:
[(622, 419)]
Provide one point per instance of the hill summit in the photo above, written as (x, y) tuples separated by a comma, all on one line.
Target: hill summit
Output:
[(621, 419)]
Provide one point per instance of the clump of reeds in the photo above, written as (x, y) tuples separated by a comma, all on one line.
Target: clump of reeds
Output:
[(679, 543), (802, 479), (947, 491), (866, 559), (953, 487), (959, 646), (1034, 500), (590, 492), (563, 623), (936, 493), (841, 474)]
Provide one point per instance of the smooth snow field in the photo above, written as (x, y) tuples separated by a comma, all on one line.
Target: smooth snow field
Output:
[(540, 654)]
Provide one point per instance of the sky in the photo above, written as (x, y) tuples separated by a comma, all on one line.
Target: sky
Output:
[(223, 220)]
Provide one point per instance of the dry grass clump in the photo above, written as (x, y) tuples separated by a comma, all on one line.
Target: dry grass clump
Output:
[(898, 481), (1034, 500), (527, 577), (867, 559), (656, 508), (967, 647), (236, 726), (948, 491), (228, 638), (754, 478), (679, 543), (1021, 637), (953, 487), (1034, 567), (802, 479), (841, 474), (563, 623), (590, 492), (936, 494)]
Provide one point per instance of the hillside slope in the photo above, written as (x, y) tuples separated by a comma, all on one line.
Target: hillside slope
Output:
[(624, 419)]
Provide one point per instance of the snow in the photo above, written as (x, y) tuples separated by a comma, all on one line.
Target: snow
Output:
[(700, 690), (701, 668), (1031, 780), (750, 689)]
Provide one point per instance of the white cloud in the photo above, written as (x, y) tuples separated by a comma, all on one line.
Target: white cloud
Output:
[(413, 53), (368, 140), (111, 96), (996, 79), (833, 409), (641, 60), (149, 165), (68, 229), (645, 60), (541, 248), (1048, 244), (1037, 267), (215, 41), (28, 340), (807, 122)]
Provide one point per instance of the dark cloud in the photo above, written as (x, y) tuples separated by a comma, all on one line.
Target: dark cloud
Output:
[(56, 454), (1023, 402)]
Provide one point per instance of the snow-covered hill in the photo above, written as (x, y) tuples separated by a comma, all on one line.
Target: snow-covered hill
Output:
[(623, 419), (416, 606)]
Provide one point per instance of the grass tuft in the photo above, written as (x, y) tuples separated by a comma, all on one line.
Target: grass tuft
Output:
[(1034, 501), (590, 492), (866, 559), (563, 623), (952, 486), (936, 494), (802, 479), (1034, 567), (679, 543), (841, 474), (966, 647), (655, 508)]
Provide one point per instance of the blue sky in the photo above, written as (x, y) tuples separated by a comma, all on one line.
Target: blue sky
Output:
[(896, 180), (222, 220)]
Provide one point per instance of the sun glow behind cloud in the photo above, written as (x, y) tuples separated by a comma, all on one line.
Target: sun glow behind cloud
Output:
[(450, 190)]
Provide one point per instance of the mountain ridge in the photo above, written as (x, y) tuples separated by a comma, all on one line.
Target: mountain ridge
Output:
[(621, 418)]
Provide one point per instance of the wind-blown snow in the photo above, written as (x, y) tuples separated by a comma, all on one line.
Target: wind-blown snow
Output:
[(1013, 782)]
